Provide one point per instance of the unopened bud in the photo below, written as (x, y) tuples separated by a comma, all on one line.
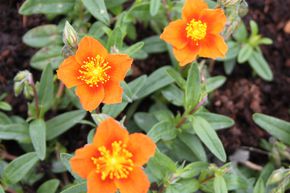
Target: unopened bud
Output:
[(244, 8), (18, 87), (277, 176), (227, 3), (22, 76), (70, 36), (28, 91)]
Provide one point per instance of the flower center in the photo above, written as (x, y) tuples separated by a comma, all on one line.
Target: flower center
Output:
[(114, 163), (196, 30), (94, 71)]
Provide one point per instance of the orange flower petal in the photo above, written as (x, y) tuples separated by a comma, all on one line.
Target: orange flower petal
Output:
[(96, 185), (215, 20), (82, 163), (192, 9), (90, 97), (109, 131), (68, 72), (120, 65), (213, 47), (141, 154), (175, 34), (137, 182), (113, 92), (185, 55), (89, 47)]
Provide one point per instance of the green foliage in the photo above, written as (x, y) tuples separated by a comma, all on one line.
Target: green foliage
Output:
[(37, 131)]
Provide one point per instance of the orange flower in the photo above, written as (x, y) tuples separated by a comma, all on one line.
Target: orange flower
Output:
[(96, 73), (114, 160), (197, 33)]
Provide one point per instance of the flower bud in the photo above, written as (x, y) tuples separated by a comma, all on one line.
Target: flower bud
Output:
[(70, 36), (22, 76), (277, 176), (18, 87), (227, 3), (244, 8), (28, 91)]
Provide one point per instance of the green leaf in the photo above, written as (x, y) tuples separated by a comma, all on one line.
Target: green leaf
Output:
[(15, 131), (241, 33), (261, 66), (45, 92), (233, 50), (131, 50), (216, 121), (192, 90), (154, 44), (52, 7), (215, 82), (145, 120), (160, 166), (49, 186), (162, 130), (276, 127), (136, 85), (155, 81), (4, 119), (5, 106), (219, 184), (18, 168), (194, 145), (98, 10), (42, 36), (115, 109), (115, 38), (154, 7), (98, 118), (208, 136), (77, 188), (229, 66), (61, 123), (254, 28), (184, 186), (259, 187), (97, 29), (37, 131), (193, 169), (173, 94), (245, 53), (266, 41), (47, 55), (177, 77), (1, 190)]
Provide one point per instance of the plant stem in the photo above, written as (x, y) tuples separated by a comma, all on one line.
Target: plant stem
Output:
[(60, 90), (184, 116)]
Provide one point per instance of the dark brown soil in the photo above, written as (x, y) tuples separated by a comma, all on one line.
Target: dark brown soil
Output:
[(244, 94), (241, 96)]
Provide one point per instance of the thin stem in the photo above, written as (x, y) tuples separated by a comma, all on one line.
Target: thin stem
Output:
[(184, 117), (60, 90)]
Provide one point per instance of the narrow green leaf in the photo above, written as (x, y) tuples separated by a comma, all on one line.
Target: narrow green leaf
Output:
[(154, 7), (184, 186), (154, 44), (276, 127), (219, 184), (30, 7), (216, 121), (15, 131), (77, 188), (260, 186), (229, 66), (115, 38), (162, 130), (97, 29), (241, 33), (192, 90), (37, 131), (261, 66), (136, 85), (145, 120), (254, 28), (18, 168), (115, 109), (173, 94), (4, 119), (214, 83), (194, 145), (155, 81), (5, 106), (177, 77), (245, 53), (65, 157), (45, 56), (208, 136), (49, 186), (45, 91), (98, 10), (61, 123), (193, 169), (43, 36), (98, 118), (131, 50), (233, 50), (1, 190)]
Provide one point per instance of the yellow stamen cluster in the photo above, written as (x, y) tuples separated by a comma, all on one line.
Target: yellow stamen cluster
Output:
[(94, 71), (196, 30), (114, 163)]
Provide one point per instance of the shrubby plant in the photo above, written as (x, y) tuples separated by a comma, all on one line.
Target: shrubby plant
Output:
[(173, 144)]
